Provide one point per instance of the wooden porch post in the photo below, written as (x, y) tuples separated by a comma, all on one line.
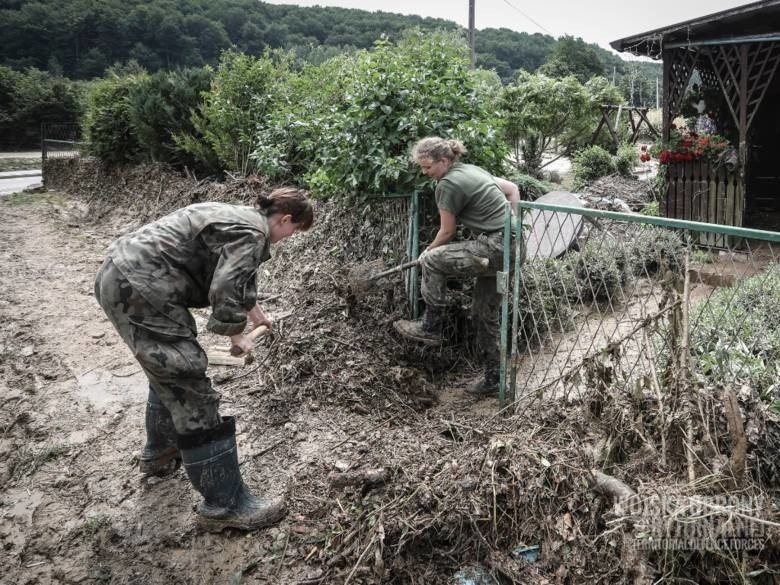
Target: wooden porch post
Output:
[(666, 117), (744, 71)]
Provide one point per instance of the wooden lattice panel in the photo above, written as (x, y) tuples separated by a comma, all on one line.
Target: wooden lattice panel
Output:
[(682, 64), (709, 78), (761, 60), (762, 63)]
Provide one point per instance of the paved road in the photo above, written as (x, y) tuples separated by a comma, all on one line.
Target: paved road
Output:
[(25, 154), (16, 184)]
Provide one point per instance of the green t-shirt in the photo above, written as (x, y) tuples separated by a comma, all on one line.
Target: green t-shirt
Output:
[(472, 195)]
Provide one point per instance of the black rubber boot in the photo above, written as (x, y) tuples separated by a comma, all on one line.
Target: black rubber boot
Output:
[(426, 330), (211, 460), (488, 385), (160, 455)]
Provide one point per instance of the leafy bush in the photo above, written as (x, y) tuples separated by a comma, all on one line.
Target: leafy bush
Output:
[(546, 288), (600, 272), (108, 128), (735, 336), (244, 91), (652, 209), (590, 164), (394, 95), (31, 98), (654, 248), (625, 159), (287, 144), (160, 108), (530, 187)]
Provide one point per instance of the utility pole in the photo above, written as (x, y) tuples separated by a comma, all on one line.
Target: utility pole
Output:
[(471, 34), (657, 99)]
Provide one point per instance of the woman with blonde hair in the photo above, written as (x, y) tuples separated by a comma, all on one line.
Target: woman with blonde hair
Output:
[(469, 195)]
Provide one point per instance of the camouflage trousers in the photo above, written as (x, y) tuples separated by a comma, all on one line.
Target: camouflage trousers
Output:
[(480, 258), (174, 364)]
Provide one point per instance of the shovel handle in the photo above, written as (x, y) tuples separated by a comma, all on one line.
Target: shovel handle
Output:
[(388, 272)]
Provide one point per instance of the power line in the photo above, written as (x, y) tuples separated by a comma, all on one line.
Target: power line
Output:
[(508, 3)]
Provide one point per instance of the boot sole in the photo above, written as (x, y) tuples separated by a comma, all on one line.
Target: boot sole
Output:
[(424, 340), (215, 525)]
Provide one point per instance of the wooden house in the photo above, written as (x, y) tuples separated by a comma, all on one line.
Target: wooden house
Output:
[(730, 61)]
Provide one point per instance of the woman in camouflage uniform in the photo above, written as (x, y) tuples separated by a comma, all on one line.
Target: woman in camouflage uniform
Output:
[(204, 254), (471, 196)]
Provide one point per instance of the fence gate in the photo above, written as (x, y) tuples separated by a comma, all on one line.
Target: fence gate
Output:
[(60, 141), (640, 306)]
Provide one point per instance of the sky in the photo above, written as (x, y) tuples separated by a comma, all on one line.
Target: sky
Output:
[(596, 21)]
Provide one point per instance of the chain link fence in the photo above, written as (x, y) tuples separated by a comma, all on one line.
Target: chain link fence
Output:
[(61, 141), (640, 305)]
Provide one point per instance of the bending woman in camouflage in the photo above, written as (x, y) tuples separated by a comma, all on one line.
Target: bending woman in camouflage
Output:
[(201, 255), (471, 196)]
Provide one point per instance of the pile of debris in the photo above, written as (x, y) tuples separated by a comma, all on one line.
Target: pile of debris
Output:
[(616, 193), (419, 492)]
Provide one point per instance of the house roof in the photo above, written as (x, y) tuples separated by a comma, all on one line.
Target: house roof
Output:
[(751, 22)]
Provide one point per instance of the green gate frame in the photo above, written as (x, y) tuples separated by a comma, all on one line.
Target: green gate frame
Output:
[(515, 213)]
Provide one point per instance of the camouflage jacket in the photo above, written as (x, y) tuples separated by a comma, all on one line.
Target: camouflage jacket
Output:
[(204, 254)]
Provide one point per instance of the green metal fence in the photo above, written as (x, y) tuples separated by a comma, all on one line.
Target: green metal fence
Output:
[(636, 304), (400, 238)]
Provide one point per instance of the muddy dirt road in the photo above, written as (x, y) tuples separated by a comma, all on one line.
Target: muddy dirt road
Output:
[(73, 507)]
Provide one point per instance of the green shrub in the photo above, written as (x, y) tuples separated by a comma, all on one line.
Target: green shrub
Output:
[(652, 209), (652, 249), (394, 95), (625, 159), (590, 164), (735, 336), (547, 289), (530, 187), (244, 92), (108, 129), (160, 108), (30, 98), (600, 272), (287, 144)]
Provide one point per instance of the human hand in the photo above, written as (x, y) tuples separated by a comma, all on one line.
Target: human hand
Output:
[(258, 317), (242, 345)]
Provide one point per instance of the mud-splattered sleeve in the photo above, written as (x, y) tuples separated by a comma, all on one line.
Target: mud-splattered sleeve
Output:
[(233, 289)]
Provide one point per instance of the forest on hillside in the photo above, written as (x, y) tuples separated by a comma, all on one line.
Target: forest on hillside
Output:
[(80, 39)]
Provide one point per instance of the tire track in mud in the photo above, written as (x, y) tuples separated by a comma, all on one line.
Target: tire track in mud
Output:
[(73, 507), (66, 446)]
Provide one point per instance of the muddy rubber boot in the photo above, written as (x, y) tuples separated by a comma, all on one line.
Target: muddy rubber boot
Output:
[(488, 385), (211, 460), (426, 330), (160, 455)]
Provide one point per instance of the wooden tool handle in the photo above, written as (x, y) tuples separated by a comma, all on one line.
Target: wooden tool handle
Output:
[(390, 271), (251, 336)]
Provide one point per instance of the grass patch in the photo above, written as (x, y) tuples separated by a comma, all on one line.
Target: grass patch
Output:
[(89, 530), (29, 197), (19, 164), (27, 461)]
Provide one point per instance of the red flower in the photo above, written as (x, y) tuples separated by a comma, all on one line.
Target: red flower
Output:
[(644, 148)]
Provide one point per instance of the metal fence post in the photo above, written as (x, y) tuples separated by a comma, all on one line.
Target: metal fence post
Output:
[(413, 253), (519, 242), (502, 286), (43, 141)]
